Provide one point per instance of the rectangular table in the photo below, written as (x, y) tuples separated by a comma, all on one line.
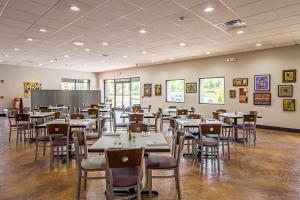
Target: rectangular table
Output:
[(74, 123), (146, 115), (193, 123), (106, 142), (36, 115), (101, 110)]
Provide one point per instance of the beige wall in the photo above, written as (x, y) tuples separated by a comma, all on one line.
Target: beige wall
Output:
[(271, 61), (15, 76)]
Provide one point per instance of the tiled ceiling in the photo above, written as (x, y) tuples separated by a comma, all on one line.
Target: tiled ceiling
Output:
[(110, 31)]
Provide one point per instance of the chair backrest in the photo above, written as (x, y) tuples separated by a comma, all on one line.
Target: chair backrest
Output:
[(216, 115), (173, 107), (173, 124), (193, 116), (56, 115), (193, 109), (221, 111), (77, 116), (93, 113), (80, 146), (182, 112), (249, 119), (45, 109), (253, 112), (136, 108), (138, 127), (58, 129), (136, 117), (59, 105), (227, 120), (94, 106), (124, 158), (210, 129), (22, 117)]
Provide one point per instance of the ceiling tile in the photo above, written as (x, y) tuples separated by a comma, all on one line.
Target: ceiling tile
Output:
[(28, 6), (164, 8)]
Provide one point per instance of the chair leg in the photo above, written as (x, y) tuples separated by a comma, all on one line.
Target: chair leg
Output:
[(254, 137), (177, 182), (78, 184), (44, 148), (36, 148), (17, 139), (244, 142), (201, 159), (85, 179), (228, 149), (149, 172), (218, 159), (51, 156), (9, 136)]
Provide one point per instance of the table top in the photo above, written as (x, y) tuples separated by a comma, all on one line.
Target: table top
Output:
[(146, 114), (196, 122), (121, 141), (37, 114), (73, 123), (100, 110), (234, 115), (57, 107)]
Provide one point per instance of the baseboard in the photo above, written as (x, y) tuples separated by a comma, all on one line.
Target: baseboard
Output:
[(275, 128)]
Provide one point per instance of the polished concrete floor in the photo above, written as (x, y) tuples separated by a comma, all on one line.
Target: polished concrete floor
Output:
[(269, 171)]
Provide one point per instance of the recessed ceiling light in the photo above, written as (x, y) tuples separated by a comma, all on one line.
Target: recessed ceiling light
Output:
[(74, 8), (43, 30), (102, 61), (104, 43), (78, 43), (258, 45), (144, 52), (0, 60), (6, 56), (87, 49), (16, 49), (152, 61), (171, 58), (143, 31), (207, 53), (40, 64), (182, 44), (52, 60), (29, 39), (209, 9), (240, 32), (125, 56), (66, 56)]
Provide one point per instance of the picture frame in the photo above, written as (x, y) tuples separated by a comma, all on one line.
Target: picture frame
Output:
[(232, 94), (262, 82), (28, 86), (147, 90), (285, 90), (289, 76), (289, 105), (157, 90), (191, 87), (240, 82), (263, 99), (243, 95)]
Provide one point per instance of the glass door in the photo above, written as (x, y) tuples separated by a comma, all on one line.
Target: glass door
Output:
[(119, 95)]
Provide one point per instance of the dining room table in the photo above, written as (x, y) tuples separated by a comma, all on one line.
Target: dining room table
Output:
[(236, 116), (147, 115), (74, 123)]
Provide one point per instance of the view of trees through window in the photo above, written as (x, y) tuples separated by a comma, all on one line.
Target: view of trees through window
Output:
[(175, 90), (75, 84), (212, 90)]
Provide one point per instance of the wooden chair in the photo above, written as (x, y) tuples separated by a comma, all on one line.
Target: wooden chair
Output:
[(23, 126), (56, 115), (86, 163), (167, 163), (136, 118), (227, 134), (221, 111), (77, 116), (59, 135), (136, 108), (216, 115), (12, 122), (124, 171), (248, 127), (95, 135), (117, 126), (41, 138), (138, 127), (209, 143), (164, 118), (45, 109), (153, 126), (93, 113)]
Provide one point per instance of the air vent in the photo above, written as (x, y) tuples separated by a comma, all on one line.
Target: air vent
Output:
[(105, 55), (232, 25)]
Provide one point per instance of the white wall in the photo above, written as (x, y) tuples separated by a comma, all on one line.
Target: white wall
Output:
[(15, 76), (271, 61)]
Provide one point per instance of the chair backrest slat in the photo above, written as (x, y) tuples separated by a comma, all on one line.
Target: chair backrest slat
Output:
[(77, 116), (138, 127), (193, 116)]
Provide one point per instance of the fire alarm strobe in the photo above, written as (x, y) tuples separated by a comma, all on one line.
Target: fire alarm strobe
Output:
[(2, 81), (1, 97)]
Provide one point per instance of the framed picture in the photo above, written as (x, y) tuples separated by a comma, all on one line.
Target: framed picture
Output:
[(243, 95), (262, 82), (157, 90), (285, 90), (289, 76), (240, 82), (28, 86), (289, 105), (191, 88), (147, 90), (262, 99), (232, 94)]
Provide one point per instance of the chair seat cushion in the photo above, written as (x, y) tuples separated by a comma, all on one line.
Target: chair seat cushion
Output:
[(25, 126), (59, 142), (92, 136), (207, 142), (246, 126), (93, 163), (43, 138), (125, 177), (161, 162)]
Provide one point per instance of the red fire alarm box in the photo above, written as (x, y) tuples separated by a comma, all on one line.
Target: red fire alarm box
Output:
[(2, 81)]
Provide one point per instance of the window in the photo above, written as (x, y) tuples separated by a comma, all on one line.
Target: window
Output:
[(109, 91), (211, 90), (75, 84), (175, 90)]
